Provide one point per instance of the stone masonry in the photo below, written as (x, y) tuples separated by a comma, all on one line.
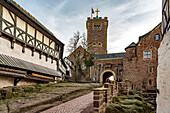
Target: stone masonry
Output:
[(141, 71)]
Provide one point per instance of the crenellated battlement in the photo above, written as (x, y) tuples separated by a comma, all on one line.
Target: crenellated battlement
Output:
[(94, 18)]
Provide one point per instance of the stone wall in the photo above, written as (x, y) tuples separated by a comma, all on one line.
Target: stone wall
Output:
[(5, 46), (114, 65), (137, 68), (163, 78)]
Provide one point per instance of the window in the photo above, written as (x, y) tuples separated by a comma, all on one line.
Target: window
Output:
[(94, 44), (150, 69), (150, 82), (57, 47), (96, 26), (147, 54), (83, 66), (133, 51), (79, 56), (157, 37), (99, 44)]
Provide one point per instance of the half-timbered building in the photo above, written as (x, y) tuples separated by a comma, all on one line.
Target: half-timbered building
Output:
[(29, 52)]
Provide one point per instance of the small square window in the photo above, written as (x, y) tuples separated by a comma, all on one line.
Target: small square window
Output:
[(147, 54), (157, 37)]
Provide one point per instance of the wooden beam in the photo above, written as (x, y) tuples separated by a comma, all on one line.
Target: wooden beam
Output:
[(26, 29), (23, 48), (12, 43), (35, 35), (1, 14), (16, 80)]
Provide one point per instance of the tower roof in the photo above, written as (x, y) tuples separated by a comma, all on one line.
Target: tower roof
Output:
[(131, 45)]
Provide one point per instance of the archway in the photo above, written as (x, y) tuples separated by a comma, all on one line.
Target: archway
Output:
[(105, 74)]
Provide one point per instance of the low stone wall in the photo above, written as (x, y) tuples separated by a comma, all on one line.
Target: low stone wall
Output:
[(103, 96)]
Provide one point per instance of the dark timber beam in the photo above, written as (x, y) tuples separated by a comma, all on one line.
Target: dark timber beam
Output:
[(16, 80), (1, 10)]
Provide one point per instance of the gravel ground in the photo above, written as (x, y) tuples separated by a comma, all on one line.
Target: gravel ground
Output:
[(74, 106)]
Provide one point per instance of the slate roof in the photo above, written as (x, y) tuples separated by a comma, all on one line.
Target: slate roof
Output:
[(24, 65), (110, 56), (131, 45)]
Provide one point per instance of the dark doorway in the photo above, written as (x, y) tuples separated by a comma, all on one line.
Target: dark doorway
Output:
[(106, 75)]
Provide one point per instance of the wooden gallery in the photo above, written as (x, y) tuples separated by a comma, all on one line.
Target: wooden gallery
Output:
[(29, 52)]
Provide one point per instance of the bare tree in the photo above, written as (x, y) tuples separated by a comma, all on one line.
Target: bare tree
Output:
[(74, 43), (71, 48)]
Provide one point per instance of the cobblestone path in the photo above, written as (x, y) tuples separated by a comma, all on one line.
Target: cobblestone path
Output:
[(73, 106)]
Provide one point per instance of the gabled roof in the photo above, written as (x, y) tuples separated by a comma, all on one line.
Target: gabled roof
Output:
[(145, 35), (12, 62), (110, 56), (131, 45)]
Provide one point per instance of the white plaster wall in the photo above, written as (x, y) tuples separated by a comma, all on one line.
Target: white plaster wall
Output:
[(46, 40), (21, 24), (39, 36), (52, 45), (25, 82), (7, 16), (5, 48), (31, 30), (163, 78), (6, 81)]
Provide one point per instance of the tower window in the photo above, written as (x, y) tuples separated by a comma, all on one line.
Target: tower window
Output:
[(147, 54), (97, 26), (100, 45), (157, 37), (94, 44)]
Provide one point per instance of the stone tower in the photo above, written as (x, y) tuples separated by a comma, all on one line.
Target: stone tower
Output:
[(97, 34)]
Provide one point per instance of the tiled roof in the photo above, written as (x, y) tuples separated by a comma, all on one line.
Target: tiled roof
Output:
[(110, 56), (24, 65), (131, 45)]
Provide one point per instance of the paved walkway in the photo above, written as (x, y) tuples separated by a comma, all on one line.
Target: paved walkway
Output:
[(73, 106)]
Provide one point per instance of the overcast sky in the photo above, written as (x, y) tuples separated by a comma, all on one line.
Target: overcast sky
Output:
[(128, 19)]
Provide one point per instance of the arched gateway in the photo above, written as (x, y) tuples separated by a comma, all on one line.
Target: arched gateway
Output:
[(105, 74)]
